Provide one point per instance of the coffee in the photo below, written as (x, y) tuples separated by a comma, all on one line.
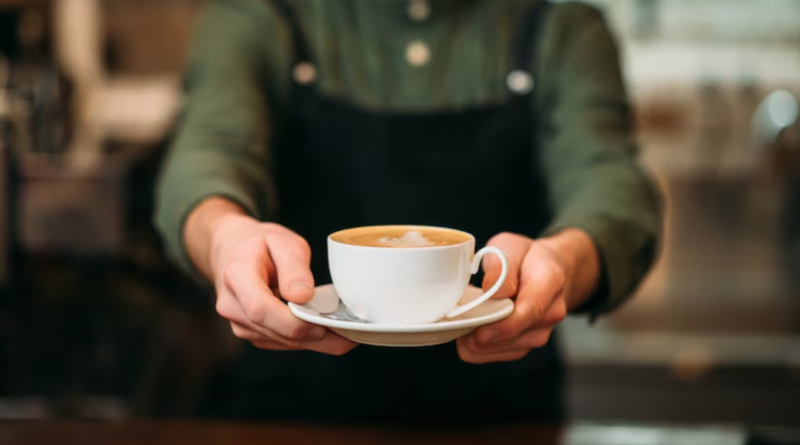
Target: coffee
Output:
[(401, 237)]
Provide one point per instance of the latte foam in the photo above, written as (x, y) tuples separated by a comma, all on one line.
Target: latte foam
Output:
[(409, 239), (401, 237)]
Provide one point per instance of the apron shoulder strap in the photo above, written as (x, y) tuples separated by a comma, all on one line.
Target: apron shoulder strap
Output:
[(302, 52)]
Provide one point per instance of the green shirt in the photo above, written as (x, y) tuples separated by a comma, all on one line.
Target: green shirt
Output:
[(238, 78)]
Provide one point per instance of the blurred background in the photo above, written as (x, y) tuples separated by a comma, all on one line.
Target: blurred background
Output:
[(95, 323)]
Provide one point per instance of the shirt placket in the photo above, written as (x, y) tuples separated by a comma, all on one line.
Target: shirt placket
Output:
[(418, 50)]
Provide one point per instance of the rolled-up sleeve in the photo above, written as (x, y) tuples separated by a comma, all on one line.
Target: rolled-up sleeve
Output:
[(218, 148), (589, 154)]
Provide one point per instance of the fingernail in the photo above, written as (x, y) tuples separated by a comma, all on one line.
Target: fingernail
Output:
[(488, 336), (299, 287), (317, 333)]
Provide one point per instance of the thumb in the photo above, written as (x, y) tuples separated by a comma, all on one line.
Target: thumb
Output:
[(515, 247), (291, 256)]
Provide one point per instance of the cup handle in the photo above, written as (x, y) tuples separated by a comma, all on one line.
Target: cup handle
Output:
[(476, 264)]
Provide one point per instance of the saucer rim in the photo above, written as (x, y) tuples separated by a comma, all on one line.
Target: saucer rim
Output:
[(314, 317)]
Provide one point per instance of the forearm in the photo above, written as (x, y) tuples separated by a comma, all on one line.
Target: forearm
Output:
[(220, 144), (580, 259), (201, 224), (620, 212)]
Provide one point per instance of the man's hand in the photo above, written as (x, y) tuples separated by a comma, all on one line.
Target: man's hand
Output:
[(253, 265), (548, 277)]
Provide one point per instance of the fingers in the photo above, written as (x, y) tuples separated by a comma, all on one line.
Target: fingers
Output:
[(258, 306), (272, 346), (515, 247), (532, 339), (291, 256), (331, 345), (540, 290), (245, 329), (316, 339), (468, 353), (249, 333), (472, 351)]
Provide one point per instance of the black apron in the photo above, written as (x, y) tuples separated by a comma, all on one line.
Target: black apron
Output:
[(340, 166)]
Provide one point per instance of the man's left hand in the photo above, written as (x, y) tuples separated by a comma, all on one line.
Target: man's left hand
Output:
[(548, 277)]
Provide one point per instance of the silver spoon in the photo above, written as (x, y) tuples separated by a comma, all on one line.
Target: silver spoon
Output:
[(343, 314)]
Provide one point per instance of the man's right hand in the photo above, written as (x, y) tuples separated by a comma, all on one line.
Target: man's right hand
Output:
[(253, 265)]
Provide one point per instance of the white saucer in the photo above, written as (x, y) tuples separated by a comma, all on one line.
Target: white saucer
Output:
[(325, 309)]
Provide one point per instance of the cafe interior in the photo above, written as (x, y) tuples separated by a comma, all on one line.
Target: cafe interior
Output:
[(100, 331)]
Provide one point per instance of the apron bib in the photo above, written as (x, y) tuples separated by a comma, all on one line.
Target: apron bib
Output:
[(339, 166)]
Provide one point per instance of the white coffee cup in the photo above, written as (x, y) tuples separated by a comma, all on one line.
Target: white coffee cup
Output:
[(408, 285)]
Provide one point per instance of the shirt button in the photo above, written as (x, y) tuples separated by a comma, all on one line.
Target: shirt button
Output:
[(519, 82), (419, 10), (304, 73), (418, 53)]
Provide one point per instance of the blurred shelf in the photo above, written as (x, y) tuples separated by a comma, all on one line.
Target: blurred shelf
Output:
[(611, 344)]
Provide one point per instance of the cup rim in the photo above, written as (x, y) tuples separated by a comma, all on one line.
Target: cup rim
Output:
[(411, 226)]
